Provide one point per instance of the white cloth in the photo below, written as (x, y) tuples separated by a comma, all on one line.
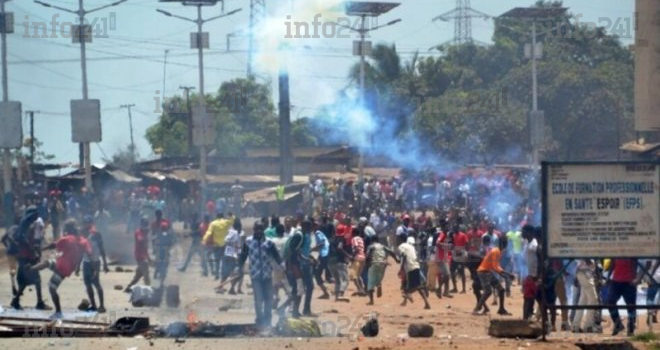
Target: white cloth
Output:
[(39, 228), (407, 251), (141, 295), (233, 243), (531, 258), (587, 297), (430, 251)]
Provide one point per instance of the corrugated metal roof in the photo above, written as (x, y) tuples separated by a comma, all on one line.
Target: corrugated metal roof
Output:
[(299, 152), (122, 176)]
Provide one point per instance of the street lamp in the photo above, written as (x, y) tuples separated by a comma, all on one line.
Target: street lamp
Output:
[(536, 117), (84, 112), (200, 40), (362, 48)]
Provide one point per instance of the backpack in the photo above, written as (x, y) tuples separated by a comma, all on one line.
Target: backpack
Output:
[(288, 249)]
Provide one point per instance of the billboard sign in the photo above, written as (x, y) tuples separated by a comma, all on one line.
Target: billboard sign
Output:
[(601, 210)]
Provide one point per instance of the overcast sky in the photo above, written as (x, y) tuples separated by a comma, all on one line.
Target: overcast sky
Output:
[(127, 66)]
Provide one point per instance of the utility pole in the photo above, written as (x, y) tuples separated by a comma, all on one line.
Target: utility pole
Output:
[(535, 102), (164, 72), (81, 31), (200, 40), (32, 145), (189, 116), (130, 124), (12, 137), (363, 48)]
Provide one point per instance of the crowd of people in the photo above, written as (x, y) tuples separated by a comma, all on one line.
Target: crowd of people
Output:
[(477, 228)]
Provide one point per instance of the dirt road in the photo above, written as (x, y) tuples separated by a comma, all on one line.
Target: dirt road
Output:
[(455, 327)]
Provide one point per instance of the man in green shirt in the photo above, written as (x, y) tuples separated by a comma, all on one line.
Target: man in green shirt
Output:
[(279, 197), (271, 231), (515, 240)]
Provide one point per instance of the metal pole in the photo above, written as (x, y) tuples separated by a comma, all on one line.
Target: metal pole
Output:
[(251, 40), (362, 64), (618, 129), (202, 148), (535, 152), (189, 118), (6, 155), (31, 113), (164, 72), (87, 161), (130, 127)]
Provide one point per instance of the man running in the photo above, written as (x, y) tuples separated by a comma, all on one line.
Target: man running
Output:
[(489, 273), (70, 249), (413, 276), (141, 252), (377, 254)]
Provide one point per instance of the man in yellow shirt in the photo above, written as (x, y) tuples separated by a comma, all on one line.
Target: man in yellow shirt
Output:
[(490, 272), (215, 236)]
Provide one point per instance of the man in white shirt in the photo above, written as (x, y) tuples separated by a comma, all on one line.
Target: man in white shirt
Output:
[(413, 277), (402, 230), (531, 258)]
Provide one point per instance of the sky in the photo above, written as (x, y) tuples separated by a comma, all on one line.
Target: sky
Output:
[(128, 66)]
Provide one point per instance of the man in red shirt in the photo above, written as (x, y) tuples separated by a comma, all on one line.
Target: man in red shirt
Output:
[(345, 229), (459, 258), (443, 249), (70, 250), (624, 281), (141, 255), (474, 239)]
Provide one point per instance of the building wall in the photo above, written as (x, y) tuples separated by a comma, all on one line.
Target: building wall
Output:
[(271, 166)]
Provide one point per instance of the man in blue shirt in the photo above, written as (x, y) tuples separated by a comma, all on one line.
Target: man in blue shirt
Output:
[(323, 248)]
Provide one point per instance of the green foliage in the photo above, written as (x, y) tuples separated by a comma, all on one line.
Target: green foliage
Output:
[(469, 104), (40, 156), (243, 116), (585, 88), (646, 337)]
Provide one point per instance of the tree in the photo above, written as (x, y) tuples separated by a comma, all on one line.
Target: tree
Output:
[(428, 105), (243, 116), (40, 155)]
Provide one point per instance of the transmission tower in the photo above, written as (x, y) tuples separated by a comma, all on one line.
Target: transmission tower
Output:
[(257, 14), (462, 16)]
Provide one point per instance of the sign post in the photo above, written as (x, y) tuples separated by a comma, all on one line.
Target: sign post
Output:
[(599, 210), (602, 210)]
